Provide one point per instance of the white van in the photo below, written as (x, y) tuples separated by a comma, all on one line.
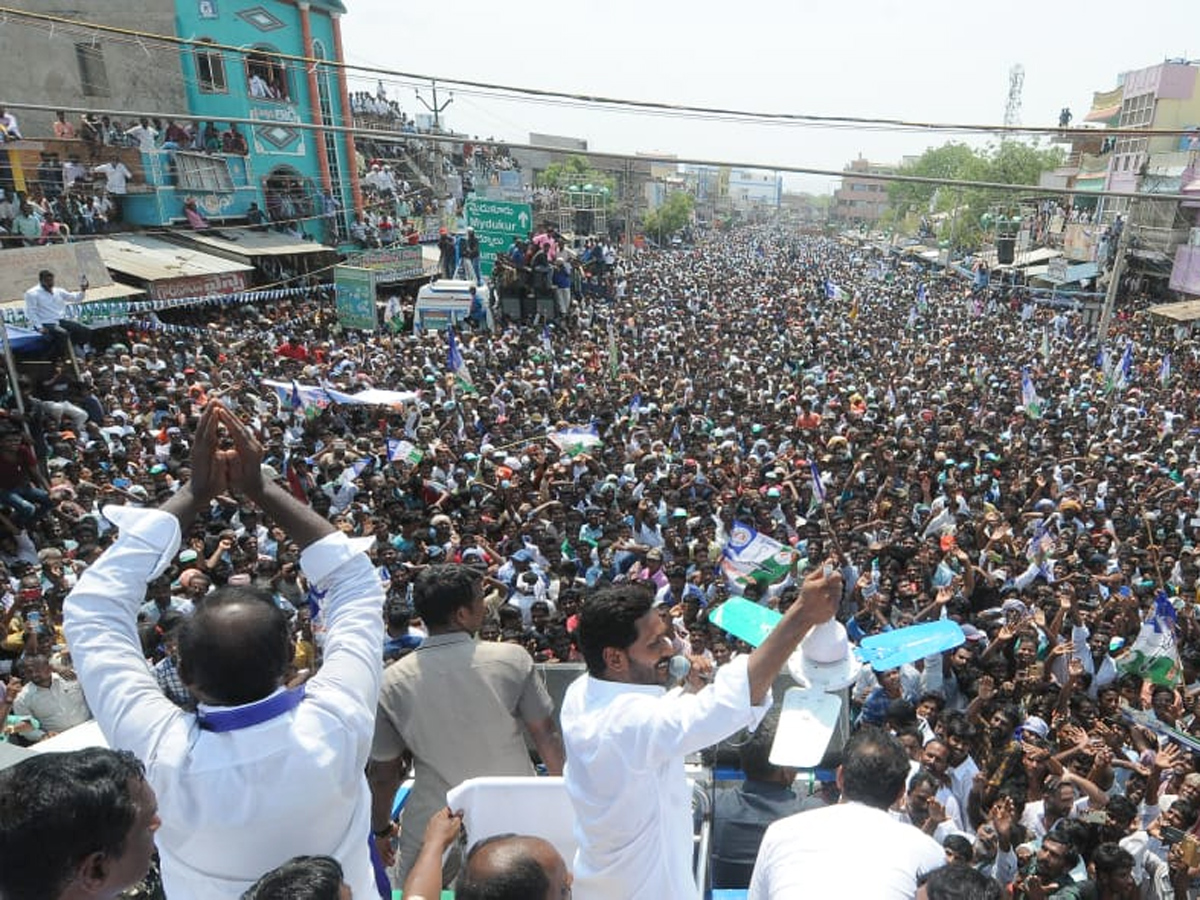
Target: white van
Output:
[(449, 300)]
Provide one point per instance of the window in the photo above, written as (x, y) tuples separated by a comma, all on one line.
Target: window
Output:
[(93, 74), (210, 70), (198, 172), (266, 77)]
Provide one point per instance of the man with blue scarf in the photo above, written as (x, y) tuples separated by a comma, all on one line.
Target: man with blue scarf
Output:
[(259, 772)]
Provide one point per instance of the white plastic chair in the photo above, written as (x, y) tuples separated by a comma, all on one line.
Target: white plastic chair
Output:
[(508, 805)]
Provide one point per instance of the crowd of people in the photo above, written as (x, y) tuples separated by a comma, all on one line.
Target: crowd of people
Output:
[(944, 449)]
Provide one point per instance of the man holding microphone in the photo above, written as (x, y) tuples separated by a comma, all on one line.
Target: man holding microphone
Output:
[(626, 735)]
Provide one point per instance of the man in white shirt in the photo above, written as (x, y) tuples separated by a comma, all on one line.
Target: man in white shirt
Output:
[(145, 135), (73, 171), (962, 768), (854, 848), (116, 175), (8, 122), (626, 736), (259, 773), (46, 310)]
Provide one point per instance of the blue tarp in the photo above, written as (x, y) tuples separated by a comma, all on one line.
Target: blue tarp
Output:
[(25, 340)]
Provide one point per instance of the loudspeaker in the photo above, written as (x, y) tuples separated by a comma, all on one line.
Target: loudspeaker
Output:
[(1006, 250)]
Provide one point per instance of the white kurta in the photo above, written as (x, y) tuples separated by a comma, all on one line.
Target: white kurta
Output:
[(625, 747), (236, 804), (846, 850)]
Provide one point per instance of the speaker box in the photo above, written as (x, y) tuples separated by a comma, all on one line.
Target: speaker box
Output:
[(1006, 250)]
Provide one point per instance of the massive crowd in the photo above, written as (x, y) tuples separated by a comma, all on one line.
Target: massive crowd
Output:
[(981, 459)]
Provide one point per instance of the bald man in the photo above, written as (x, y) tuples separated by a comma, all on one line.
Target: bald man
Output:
[(503, 867)]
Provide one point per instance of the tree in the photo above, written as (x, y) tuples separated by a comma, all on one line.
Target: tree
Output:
[(952, 160), (959, 210), (672, 216), (575, 171)]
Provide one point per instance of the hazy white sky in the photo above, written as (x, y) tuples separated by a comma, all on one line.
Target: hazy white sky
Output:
[(939, 60)]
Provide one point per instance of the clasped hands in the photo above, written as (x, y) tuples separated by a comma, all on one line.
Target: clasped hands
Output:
[(226, 456)]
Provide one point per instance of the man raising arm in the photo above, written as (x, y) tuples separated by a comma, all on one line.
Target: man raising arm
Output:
[(256, 761), (626, 736)]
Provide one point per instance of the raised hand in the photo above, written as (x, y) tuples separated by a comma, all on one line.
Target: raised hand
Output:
[(209, 469), (986, 688), (243, 462), (1167, 758), (820, 595), (443, 828), (1061, 648), (1003, 815)]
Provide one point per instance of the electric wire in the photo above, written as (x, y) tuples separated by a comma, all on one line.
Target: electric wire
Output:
[(138, 37), (599, 156)]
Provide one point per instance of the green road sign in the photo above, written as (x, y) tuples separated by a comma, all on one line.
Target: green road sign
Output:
[(355, 297), (496, 223)]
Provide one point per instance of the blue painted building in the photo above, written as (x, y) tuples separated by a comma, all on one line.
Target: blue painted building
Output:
[(304, 175)]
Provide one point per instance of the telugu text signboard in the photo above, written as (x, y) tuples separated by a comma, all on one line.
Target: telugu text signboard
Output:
[(355, 297), (496, 223), (199, 286), (399, 262)]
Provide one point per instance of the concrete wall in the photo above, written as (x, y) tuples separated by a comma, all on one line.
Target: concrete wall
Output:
[(43, 68)]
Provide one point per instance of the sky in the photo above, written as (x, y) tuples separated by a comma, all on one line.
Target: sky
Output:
[(936, 61)]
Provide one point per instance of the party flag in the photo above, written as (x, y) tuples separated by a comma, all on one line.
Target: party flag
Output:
[(753, 557), (1029, 397), (457, 365), (576, 439)]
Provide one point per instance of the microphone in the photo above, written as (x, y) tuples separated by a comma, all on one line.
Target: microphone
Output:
[(679, 667)]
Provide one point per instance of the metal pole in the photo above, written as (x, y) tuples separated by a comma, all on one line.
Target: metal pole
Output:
[(1110, 296), (10, 364), (953, 230)]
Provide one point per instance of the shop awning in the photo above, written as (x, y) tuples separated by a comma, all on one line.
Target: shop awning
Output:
[(1022, 259), (150, 259), (1183, 311), (249, 244), (171, 271)]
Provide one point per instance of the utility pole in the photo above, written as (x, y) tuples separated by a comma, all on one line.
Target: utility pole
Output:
[(953, 231), (627, 191), (1110, 296), (436, 108)]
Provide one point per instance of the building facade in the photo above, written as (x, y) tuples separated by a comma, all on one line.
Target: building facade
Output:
[(72, 67), (1163, 97), (297, 174), (755, 188), (862, 200)]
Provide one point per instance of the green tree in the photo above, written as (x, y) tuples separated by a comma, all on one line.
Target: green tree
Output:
[(1015, 162), (963, 208), (674, 214), (576, 171), (565, 173), (952, 160)]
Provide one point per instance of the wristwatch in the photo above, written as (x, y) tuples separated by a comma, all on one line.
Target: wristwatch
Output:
[(384, 831)]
